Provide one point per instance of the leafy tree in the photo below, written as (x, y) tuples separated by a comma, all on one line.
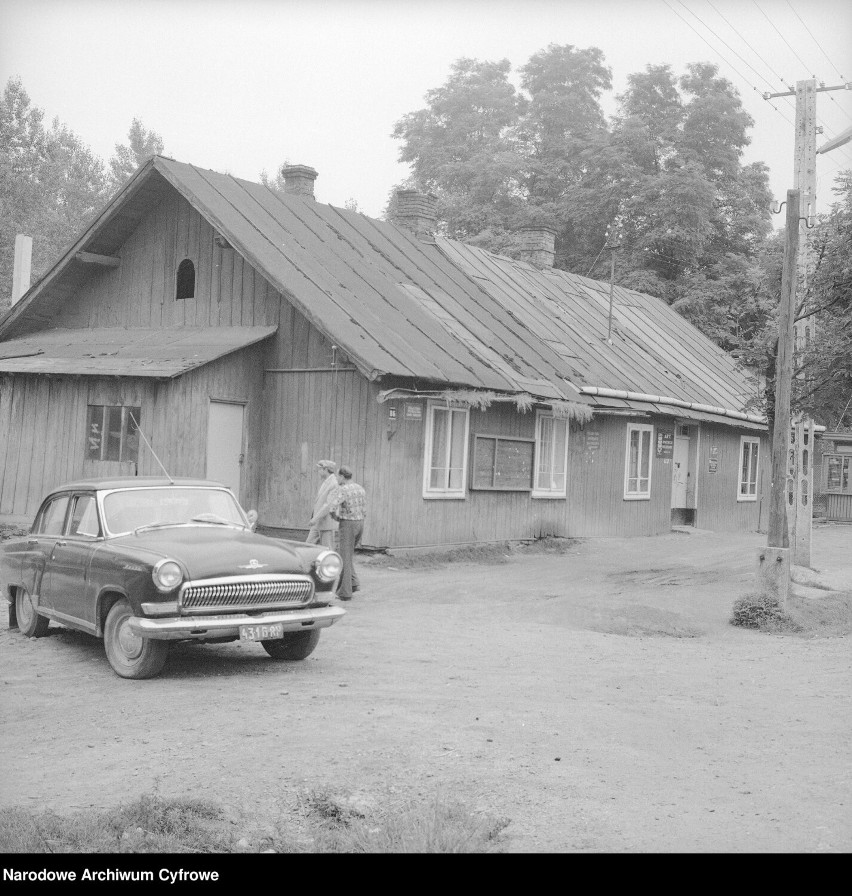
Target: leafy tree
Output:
[(50, 184), (141, 145)]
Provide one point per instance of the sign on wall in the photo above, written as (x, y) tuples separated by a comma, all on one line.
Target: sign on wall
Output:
[(714, 458), (665, 442)]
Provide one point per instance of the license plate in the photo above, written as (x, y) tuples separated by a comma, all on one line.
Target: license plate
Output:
[(261, 632)]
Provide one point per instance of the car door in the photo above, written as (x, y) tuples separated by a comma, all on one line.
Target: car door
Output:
[(67, 567), (47, 530)]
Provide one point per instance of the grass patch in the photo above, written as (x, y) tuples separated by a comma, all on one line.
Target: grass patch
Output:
[(152, 824), (322, 822), (488, 554), (824, 617), (438, 827)]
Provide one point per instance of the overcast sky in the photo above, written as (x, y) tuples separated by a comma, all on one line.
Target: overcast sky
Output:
[(243, 86)]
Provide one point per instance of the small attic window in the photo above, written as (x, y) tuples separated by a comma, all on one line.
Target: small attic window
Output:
[(185, 280)]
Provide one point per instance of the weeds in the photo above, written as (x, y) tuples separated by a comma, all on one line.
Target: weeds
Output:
[(762, 611), (489, 554), (327, 823)]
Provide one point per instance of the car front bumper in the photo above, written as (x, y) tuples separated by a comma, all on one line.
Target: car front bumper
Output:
[(226, 626)]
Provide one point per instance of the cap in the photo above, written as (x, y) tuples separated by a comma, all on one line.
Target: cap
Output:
[(327, 465), (345, 472)]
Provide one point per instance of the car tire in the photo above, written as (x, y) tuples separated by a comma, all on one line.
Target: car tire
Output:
[(130, 655), (30, 623), (293, 646)]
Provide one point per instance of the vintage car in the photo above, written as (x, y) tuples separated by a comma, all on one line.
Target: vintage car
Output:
[(143, 561)]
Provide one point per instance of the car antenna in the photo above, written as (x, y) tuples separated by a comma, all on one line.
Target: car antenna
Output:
[(139, 430)]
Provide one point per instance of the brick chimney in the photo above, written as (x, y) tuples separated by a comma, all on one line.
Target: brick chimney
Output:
[(22, 271), (537, 245), (299, 180), (417, 212)]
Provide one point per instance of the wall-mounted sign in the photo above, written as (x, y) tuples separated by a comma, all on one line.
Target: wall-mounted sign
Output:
[(413, 412), (665, 442), (593, 440), (392, 413), (714, 458)]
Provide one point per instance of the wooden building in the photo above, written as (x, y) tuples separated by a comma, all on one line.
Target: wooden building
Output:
[(221, 329), (836, 475)]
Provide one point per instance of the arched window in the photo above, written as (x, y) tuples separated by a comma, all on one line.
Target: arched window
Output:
[(185, 280)]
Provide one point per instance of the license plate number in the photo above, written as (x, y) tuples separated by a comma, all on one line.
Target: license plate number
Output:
[(261, 632)]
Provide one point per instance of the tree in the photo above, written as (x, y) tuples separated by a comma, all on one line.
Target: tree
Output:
[(50, 184), (128, 157)]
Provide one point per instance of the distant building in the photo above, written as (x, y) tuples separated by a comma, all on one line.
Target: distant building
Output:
[(476, 397)]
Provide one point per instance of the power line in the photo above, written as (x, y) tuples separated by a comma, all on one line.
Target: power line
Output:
[(839, 74), (742, 38), (804, 64), (745, 79)]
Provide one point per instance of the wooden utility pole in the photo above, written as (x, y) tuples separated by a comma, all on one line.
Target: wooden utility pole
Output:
[(800, 439), (773, 568)]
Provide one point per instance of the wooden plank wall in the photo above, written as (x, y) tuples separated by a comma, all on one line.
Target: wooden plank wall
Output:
[(141, 291), (718, 508), (43, 421)]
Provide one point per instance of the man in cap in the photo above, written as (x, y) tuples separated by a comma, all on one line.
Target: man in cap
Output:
[(323, 525)]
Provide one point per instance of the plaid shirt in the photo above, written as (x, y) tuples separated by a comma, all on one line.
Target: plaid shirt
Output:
[(351, 502)]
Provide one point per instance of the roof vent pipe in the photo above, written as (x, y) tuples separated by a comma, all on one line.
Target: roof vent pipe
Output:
[(417, 212), (299, 180), (537, 244), (22, 272)]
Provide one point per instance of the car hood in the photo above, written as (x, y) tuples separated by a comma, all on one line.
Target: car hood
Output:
[(212, 551)]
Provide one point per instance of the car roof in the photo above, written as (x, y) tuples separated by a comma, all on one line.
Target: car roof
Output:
[(113, 482)]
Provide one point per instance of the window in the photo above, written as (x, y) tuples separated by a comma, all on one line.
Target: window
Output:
[(112, 433), (445, 466), (637, 467), (837, 474), (84, 517), (502, 463), (185, 280), (551, 456), (52, 519), (749, 450)]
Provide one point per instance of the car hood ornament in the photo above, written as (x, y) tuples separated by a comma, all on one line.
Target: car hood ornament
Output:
[(253, 564)]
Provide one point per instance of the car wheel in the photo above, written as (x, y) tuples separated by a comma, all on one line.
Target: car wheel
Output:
[(30, 622), (130, 655), (293, 646)]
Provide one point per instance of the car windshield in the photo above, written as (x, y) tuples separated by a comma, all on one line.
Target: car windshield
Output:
[(132, 508)]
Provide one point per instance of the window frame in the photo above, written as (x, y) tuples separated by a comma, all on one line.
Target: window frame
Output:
[(845, 464), (640, 428), (444, 493), (186, 264), (494, 469), (538, 492), (126, 423), (744, 497)]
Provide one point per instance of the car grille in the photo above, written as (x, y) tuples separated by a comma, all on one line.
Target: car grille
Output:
[(252, 593)]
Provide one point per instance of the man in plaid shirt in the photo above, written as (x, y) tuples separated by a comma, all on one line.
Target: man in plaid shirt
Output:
[(351, 510)]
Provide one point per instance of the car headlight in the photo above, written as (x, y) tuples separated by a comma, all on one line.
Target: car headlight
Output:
[(167, 575), (328, 566)]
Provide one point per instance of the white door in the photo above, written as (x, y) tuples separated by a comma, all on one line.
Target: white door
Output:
[(680, 470), (225, 444)]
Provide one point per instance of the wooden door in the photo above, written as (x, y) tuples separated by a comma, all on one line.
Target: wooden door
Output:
[(680, 471), (225, 448)]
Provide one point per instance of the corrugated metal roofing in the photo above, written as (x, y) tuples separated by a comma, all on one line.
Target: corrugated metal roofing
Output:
[(443, 311), (125, 352)]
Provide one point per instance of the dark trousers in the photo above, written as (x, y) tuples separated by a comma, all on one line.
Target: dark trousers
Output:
[(350, 538)]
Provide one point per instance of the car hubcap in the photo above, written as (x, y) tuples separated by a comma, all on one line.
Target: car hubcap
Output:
[(129, 642)]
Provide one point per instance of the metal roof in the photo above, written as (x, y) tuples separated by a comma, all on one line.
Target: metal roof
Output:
[(439, 311), (125, 352)]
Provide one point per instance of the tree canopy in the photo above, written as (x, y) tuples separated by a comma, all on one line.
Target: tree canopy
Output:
[(51, 183)]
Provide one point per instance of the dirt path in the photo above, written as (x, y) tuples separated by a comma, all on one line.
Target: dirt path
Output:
[(598, 699)]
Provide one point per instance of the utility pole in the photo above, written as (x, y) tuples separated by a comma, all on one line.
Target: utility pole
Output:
[(800, 438), (773, 564)]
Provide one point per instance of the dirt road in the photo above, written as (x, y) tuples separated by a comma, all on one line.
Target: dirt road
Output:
[(598, 699)]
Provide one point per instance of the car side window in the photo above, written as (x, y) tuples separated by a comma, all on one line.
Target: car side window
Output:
[(53, 517), (84, 517)]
